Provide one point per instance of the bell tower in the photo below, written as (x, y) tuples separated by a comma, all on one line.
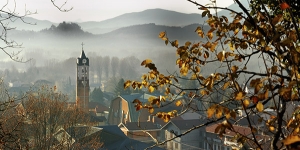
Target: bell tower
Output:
[(82, 84)]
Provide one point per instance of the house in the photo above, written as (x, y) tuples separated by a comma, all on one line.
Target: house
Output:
[(99, 109), (107, 137), (147, 132), (122, 109), (229, 140), (178, 126)]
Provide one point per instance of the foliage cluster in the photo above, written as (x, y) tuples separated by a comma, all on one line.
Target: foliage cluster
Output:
[(266, 34)]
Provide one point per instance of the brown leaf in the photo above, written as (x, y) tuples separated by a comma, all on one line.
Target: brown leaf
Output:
[(175, 43), (221, 56), (137, 101)]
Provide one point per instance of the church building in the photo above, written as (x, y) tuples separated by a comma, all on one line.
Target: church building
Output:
[(82, 84)]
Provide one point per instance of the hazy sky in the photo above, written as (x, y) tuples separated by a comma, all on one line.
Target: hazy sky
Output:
[(97, 10)]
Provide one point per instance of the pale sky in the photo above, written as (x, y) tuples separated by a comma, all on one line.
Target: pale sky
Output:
[(97, 10)]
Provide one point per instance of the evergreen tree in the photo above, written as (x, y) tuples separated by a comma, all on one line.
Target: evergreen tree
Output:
[(96, 95)]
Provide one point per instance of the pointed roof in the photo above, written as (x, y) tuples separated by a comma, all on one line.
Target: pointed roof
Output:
[(81, 57), (82, 54)]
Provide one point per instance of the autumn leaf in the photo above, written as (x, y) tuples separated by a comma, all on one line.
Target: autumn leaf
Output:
[(162, 35), (175, 43), (178, 103), (239, 95), (199, 32), (246, 103), (221, 56), (127, 84), (151, 110), (234, 69), (274, 69), (210, 111), (188, 43), (291, 139), (254, 99), (204, 13), (151, 89), (137, 101), (138, 107), (219, 112), (166, 118), (259, 106), (231, 46), (284, 6), (146, 62), (226, 85)]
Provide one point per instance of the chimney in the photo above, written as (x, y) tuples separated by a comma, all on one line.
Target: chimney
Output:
[(153, 120)]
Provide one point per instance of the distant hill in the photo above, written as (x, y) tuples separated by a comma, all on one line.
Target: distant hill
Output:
[(31, 24), (135, 40), (157, 16), (151, 31)]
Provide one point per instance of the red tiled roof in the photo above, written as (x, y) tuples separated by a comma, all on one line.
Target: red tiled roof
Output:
[(98, 106), (236, 129)]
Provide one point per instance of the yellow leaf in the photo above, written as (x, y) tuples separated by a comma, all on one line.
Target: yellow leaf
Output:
[(199, 32), (204, 92), (246, 103), (271, 128), (197, 69), (145, 62), (231, 46), (151, 98), (162, 35), (226, 85), (211, 111), (210, 35), (178, 103), (151, 110), (188, 43), (127, 84), (166, 118), (150, 89), (239, 95), (291, 139), (219, 112), (266, 94), (259, 106)]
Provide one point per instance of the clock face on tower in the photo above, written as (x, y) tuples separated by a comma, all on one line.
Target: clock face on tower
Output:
[(84, 61)]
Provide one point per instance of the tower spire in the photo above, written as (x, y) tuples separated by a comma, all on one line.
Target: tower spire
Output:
[(82, 45)]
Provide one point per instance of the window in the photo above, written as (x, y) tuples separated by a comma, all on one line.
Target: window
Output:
[(176, 145)]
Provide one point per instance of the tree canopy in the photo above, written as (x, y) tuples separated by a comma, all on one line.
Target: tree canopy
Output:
[(256, 56)]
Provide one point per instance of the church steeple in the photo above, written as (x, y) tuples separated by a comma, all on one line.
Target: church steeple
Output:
[(82, 84)]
